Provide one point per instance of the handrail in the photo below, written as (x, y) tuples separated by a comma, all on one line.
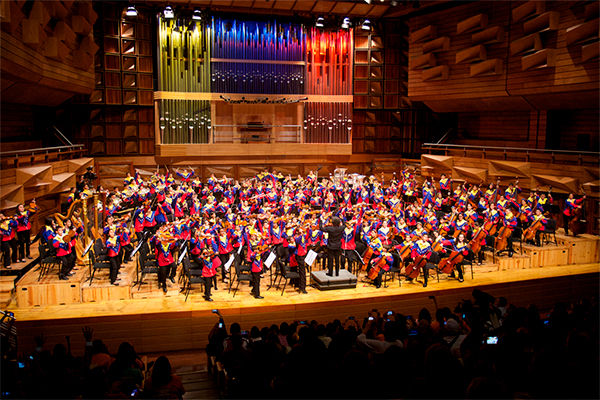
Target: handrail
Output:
[(62, 137), (445, 136), (436, 146), (40, 150)]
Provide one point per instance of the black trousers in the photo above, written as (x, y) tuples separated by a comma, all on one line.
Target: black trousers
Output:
[(224, 258), (67, 263), (125, 253), (351, 256), (114, 268), (301, 272), (256, 284), (207, 287), (166, 271), (566, 220), (333, 256), (7, 246), (24, 240)]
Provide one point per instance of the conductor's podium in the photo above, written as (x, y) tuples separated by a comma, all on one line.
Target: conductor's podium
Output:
[(324, 282)]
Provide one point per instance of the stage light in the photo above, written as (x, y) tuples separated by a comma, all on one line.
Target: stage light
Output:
[(346, 23), (320, 22), (131, 11), (197, 15), (393, 3), (368, 1), (168, 12), (366, 25)]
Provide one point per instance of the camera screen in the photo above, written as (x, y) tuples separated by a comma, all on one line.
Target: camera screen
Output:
[(414, 332), (492, 340), (390, 313)]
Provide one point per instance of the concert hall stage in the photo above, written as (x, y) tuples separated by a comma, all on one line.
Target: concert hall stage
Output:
[(155, 322)]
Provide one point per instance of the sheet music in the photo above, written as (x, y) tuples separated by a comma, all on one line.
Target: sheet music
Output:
[(229, 262), (136, 249), (310, 258), (240, 250), (183, 253), (270, 259), (89, 246)]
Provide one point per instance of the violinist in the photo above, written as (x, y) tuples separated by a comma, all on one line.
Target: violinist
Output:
[(125, 241), (300, 251), (209, 262), (257, 250), (571, 205), (349, 244), (461, 246), (64, 253), (8, 229), (164, 247), (538, 216), (24, 228), (225, 248), (113, 244)]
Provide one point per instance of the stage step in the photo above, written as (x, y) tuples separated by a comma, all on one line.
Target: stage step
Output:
[(583, 249), (517, 261), (7, 291), (50, 290), (101, 289)]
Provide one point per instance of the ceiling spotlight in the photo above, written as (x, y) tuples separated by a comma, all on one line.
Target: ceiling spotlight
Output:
[(346, 23), (393, 3), (197, 15), (320, 22), (131, 11), (368, 1), (168, 12), (366, 25)]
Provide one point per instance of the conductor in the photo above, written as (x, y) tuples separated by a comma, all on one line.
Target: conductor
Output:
[(334, 244)]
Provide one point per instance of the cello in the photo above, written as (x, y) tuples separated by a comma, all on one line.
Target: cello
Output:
[(577, 223), (374, 272), (502, 239), (475, 243), (367, 257), (412, 270), (447, 264), (532, 230)]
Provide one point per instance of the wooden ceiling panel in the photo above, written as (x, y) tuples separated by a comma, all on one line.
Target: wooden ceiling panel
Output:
[(219, 3), (361, 9), (263, 4), (377, 11), (323, 6), (283, 4), (243, 4), (342, 8), (304, 5)]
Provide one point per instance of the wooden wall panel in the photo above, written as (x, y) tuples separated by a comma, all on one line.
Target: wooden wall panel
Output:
[(459, 84), (570, 73)]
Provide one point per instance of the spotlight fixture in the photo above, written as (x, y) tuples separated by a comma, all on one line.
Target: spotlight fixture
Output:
[(197, 15), (368, 1), (131, 11), (168, 12), (366, 25), (393, 3), (320, 22), (346, 23)]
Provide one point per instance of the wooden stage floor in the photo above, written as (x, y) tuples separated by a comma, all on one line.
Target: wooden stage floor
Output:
[(169, 323)]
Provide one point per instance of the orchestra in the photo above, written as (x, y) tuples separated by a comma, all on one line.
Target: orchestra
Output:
[(363, 224)]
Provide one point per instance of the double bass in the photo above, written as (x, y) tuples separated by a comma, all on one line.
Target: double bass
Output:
[(578, 222)]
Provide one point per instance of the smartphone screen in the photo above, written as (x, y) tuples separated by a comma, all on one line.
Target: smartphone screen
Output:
[(492, 340), (390, 312)]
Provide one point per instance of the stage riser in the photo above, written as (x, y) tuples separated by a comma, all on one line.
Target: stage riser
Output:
[(504, 262), (53, 294), (93, 294), (546, 256), (169, 331), (582, 249)]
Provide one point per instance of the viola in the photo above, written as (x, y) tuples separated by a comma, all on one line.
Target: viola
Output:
[(374, 272), (447, 264), (502, 239), (412, 270)]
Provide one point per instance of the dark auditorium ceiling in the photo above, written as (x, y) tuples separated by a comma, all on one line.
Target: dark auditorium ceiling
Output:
[(349, 8)]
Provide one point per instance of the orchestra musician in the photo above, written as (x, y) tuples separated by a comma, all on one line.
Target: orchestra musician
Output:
[(64, 251), (334, 244), (570, 205), (8, 229), (24, 228)]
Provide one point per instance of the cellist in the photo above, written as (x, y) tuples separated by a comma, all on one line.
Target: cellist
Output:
[(422, 248), (510, 221), (538, 216), (460, 245)]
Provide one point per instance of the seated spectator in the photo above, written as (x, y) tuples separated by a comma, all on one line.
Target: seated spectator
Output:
[(321, 335), (100, 355), (163, 384), (234, 330)]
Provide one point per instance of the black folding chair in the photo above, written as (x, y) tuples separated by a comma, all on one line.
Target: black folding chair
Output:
[(46, 261), (96, 265)]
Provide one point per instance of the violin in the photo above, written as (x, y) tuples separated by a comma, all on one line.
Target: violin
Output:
[(447, 264), (412, 270)]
